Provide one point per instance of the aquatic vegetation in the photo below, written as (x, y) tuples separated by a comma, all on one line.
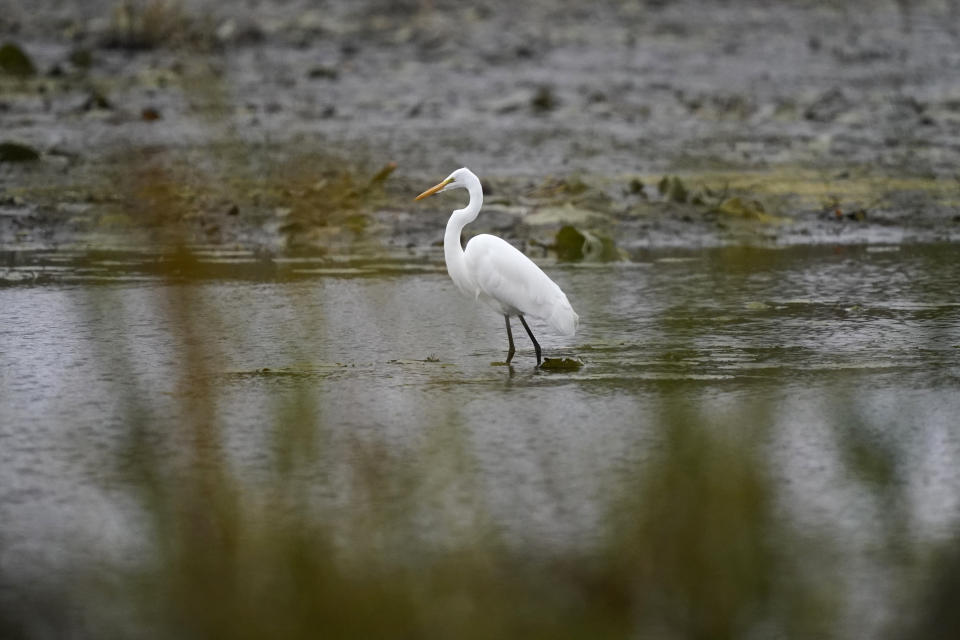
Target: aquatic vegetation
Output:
[(306, 200), (323, 200), (568, 243), (560, 189)]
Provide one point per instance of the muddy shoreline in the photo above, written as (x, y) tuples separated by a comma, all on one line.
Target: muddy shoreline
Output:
[(638, 124)]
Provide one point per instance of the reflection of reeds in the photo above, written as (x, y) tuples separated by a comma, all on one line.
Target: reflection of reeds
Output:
[(693, 546), (700, 543)]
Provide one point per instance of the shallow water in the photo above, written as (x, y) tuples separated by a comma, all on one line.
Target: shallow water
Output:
[(388, 353)]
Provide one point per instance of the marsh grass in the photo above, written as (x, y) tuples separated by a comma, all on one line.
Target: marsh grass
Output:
[(321, 197), (692, 546), (234, 193)]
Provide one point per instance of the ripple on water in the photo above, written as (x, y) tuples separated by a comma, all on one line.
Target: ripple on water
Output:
[(384, 351)]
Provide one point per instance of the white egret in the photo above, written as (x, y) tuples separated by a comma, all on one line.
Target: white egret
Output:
[(491, 270)]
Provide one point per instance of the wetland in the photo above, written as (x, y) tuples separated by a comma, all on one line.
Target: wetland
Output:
[(240, 396)]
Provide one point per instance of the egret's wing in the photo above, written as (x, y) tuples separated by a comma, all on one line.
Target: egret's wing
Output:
[(511, 278)]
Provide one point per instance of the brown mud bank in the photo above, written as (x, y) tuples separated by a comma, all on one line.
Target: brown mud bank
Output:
[(598, 129)]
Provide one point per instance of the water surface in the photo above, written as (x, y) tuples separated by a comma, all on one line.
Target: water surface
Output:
[(813, 340)]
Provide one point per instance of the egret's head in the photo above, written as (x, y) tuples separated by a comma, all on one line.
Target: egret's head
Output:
[(456, 180)]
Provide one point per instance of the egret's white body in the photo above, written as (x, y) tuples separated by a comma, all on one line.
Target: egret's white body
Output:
[(492, 271)]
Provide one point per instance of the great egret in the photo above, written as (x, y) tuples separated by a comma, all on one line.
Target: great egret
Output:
[(493, 271)]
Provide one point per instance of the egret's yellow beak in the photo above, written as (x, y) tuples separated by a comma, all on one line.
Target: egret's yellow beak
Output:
[(434, 189)]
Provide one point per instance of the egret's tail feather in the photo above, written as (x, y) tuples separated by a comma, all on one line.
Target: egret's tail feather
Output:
[(564, 319)]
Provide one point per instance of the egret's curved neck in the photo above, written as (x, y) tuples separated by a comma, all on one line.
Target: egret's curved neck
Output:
[(452, 251)]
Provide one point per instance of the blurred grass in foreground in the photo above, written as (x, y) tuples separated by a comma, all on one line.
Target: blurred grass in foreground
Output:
[(692, 547)]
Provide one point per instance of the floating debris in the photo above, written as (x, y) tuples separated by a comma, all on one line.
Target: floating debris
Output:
[(315, 371), (749, 210), (97, 100), (16, 152), (232, 32), (673, 189), (15, 62), (737, 207), (828, 106), (561, 364), (323, 73), (543, 100)]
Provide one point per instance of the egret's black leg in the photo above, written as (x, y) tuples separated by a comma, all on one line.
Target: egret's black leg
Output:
[(511, 350), (536, 345)]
